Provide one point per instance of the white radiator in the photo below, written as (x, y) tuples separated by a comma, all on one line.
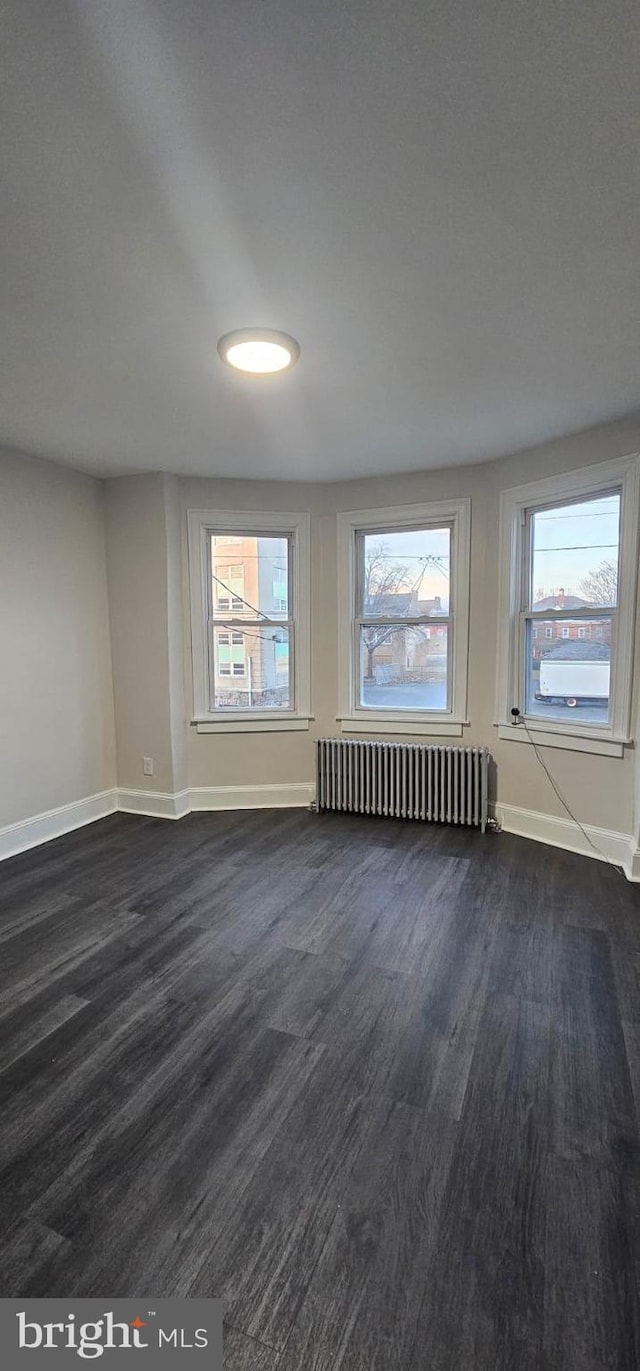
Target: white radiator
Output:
[(406, 780)]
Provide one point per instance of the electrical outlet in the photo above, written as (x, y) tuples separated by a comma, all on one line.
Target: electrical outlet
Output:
[(147, 766)]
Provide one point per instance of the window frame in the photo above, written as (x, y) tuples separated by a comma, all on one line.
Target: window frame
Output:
[(352, 524), (516, 507), (201, 526)]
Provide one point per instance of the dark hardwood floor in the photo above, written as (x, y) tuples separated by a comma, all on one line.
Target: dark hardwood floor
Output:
[(371, 1082)]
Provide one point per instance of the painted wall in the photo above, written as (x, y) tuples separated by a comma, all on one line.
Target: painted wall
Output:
[(57, 741), (144, 589), (598, 789)]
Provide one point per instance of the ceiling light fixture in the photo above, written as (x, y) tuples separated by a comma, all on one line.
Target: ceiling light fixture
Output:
[(259, 350)]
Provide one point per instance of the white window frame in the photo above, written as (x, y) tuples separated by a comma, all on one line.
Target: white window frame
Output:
[(609, 739), (356, 718), (201, 523)]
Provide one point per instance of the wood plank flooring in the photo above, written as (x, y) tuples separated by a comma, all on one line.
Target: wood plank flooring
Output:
[(371, 1082)]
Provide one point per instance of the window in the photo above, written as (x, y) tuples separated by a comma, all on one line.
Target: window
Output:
[(250, 648), (404, 585), (568, 560)]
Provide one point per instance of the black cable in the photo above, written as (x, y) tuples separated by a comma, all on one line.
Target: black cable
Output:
[(563, 802)]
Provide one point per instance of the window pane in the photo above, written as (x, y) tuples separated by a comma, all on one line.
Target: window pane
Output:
[(568, 670), (403, 668), (574, 553), (256, 583), (405, 573), (251, 668)]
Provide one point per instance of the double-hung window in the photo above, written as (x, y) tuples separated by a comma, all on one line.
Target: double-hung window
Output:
[(404, 607), (568, 589), (249, 620)]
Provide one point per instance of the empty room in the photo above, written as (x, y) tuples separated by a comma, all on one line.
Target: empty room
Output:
[(320, 684)]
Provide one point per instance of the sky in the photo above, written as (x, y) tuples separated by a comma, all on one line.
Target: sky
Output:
[(411, 546), (570, 542)]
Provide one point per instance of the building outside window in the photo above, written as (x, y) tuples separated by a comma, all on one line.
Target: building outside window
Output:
[(250, 621)]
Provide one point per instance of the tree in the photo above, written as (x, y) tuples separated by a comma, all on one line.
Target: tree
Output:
[(383, 581), (600, 587)]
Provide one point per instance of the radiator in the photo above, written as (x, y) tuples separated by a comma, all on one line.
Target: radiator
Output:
[(406, 780)]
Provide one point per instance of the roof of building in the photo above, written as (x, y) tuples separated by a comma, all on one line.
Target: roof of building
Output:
[(571, 650), (561, 602), (388, 606), (433, 606)]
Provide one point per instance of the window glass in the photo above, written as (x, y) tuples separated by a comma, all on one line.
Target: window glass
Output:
[(568, 675), (403, 667), (258, 661), (255, 585), (405, 573), (403, 587), (574, 554)]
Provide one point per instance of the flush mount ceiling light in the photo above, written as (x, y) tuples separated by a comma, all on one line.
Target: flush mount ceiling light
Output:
[(259, 350)]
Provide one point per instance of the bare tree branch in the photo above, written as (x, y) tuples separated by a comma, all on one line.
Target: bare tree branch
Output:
[(383, 581), (600, 587)]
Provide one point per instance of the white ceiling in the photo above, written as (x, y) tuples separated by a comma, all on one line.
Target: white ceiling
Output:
[(439, 200)]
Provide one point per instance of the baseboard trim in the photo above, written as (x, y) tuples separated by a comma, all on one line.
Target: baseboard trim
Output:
[(294, 796), (611, 846), (163, 805), (154, 804), (53, 823), (633, 869), (618, 848)]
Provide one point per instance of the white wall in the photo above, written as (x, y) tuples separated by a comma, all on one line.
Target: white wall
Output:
[(56, 702)]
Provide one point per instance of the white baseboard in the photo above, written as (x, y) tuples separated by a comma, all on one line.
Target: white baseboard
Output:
[(54, 822), (155, 804), (293, 796), (618, 848), (162, 805), (632, 870)]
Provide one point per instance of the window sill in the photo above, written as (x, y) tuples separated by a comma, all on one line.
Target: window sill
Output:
[(292, 723), (571, 742), (378, 723)]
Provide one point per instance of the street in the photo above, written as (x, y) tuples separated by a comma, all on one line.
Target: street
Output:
[(432, 695)]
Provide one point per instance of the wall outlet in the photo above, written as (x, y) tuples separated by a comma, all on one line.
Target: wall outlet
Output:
[(147, 766)]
